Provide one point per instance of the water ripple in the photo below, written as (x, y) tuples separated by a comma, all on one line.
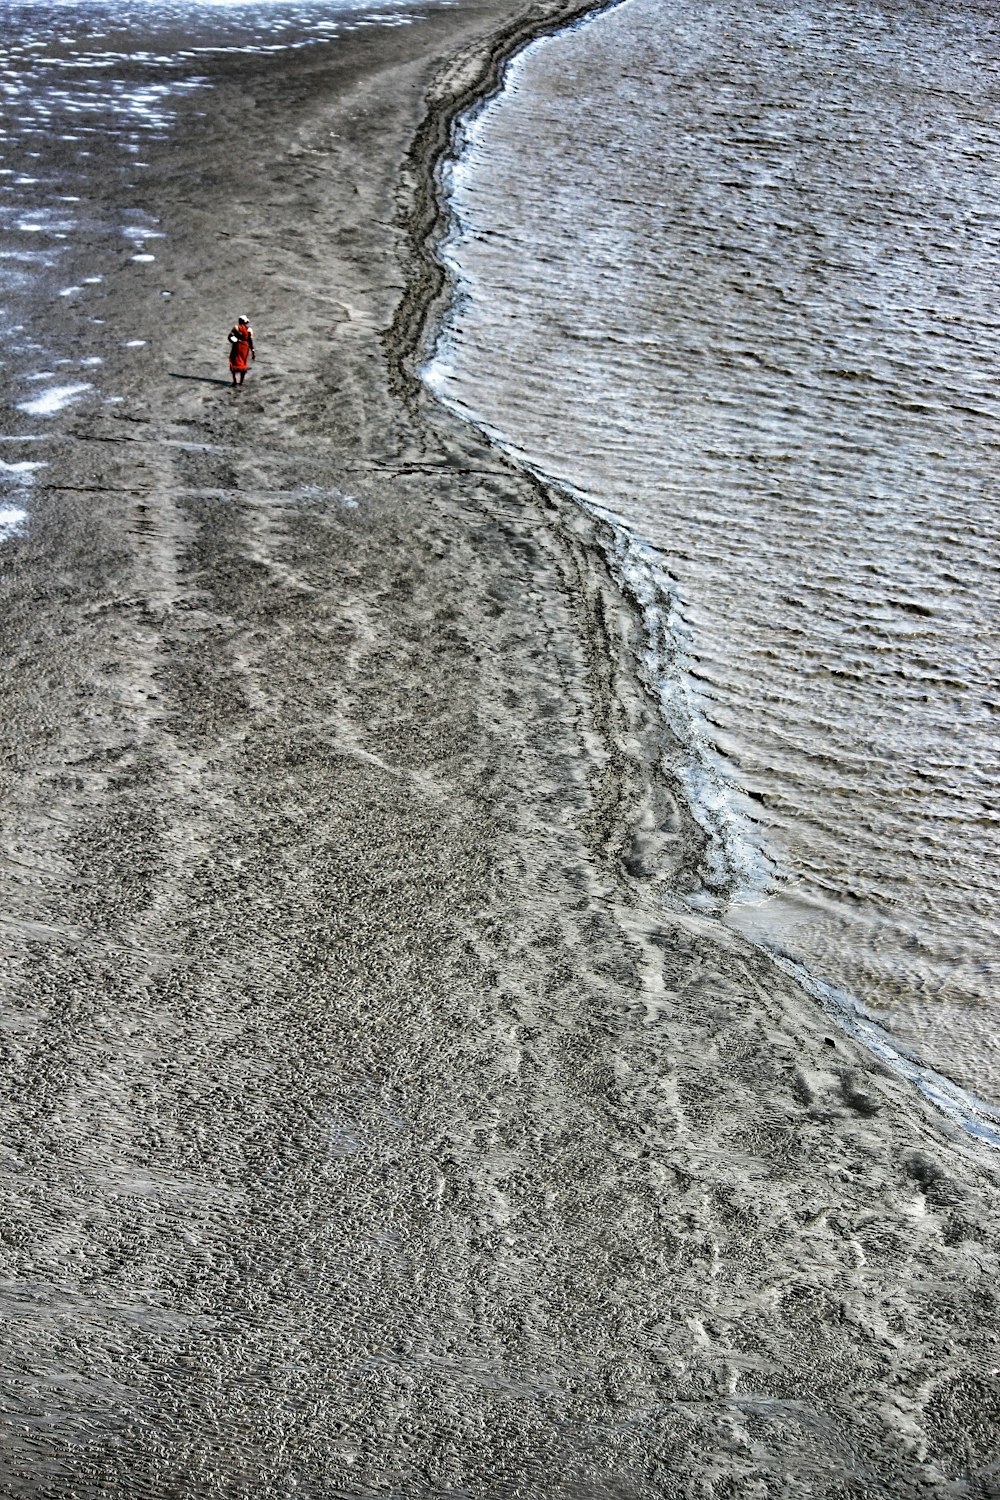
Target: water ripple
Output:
[(729, 271)]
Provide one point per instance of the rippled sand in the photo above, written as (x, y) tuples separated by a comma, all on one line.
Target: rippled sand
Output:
[(370, 1125)]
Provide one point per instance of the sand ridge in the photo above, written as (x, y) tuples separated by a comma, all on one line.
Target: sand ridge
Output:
[(373, 1124)]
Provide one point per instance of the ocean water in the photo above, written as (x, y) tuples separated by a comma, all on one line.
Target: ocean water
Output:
[(727, 271), (98, 83)]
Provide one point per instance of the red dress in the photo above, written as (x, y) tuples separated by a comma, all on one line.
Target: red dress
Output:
[(240, 348)]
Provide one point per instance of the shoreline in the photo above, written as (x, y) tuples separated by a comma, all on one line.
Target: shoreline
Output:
[(371, 1128), (853, 972), (450, 103), (414, 334)]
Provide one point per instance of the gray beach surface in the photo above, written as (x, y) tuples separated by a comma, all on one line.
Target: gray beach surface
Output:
[(375, 1122)]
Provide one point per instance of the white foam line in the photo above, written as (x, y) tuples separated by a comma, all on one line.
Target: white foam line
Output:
[(974, 1115)]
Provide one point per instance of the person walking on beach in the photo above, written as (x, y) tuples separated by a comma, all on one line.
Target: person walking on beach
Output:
[(241, 350)]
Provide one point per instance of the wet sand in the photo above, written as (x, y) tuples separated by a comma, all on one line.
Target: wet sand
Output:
[(372, 1124)]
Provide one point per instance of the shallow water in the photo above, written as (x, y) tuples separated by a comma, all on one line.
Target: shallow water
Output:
[(728, 271)]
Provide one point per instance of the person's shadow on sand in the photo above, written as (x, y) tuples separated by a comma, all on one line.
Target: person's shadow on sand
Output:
[(205, 379)]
